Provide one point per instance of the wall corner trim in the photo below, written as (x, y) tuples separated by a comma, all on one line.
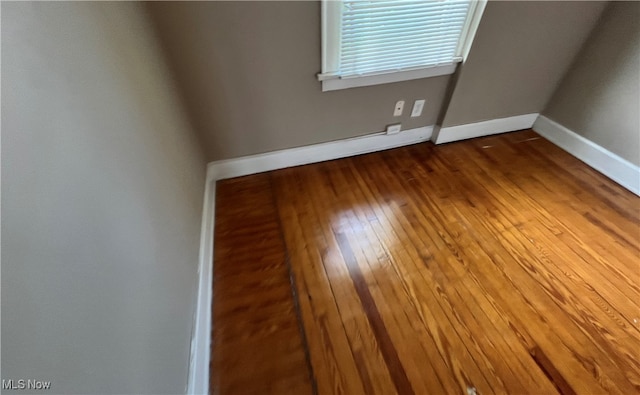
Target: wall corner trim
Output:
[(606, 162), (484, 128), (198, 379), (281, 159)]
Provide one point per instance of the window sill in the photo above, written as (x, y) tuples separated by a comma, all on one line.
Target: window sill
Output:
[(386, 78)]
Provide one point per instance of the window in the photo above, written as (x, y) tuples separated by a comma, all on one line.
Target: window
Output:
[(376, 42)]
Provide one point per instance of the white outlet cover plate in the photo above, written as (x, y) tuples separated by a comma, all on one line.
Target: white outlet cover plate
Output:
[(397, 111), (418, 106), (394, 129)]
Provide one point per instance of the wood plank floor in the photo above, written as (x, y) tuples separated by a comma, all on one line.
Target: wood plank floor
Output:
[(500, 264)]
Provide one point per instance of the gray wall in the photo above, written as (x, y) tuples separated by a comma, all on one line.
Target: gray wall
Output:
[(247, 71), (599, 97), (102, 184), (520, 52)]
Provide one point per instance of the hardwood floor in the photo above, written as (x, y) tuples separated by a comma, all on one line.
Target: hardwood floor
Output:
[(500, 264)]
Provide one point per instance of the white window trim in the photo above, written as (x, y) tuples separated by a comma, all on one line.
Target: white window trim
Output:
[(470, 28), (330, 33)]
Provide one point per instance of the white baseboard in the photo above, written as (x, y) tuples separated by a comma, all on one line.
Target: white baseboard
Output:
[(315, 153), (484, 128), (198, 380), (606, 162)]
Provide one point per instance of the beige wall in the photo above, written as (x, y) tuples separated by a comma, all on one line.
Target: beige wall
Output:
[(102, 184), (520, 52), (599, 97), (247, 71)]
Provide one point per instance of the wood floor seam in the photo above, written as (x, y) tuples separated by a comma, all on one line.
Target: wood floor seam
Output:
[(295, 295)]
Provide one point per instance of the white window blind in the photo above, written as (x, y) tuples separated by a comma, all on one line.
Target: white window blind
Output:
[(382, 36), (363, 38)]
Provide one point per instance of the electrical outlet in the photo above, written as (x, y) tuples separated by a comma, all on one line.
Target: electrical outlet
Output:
[(394, 129), (418, 105), (397, 111)]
